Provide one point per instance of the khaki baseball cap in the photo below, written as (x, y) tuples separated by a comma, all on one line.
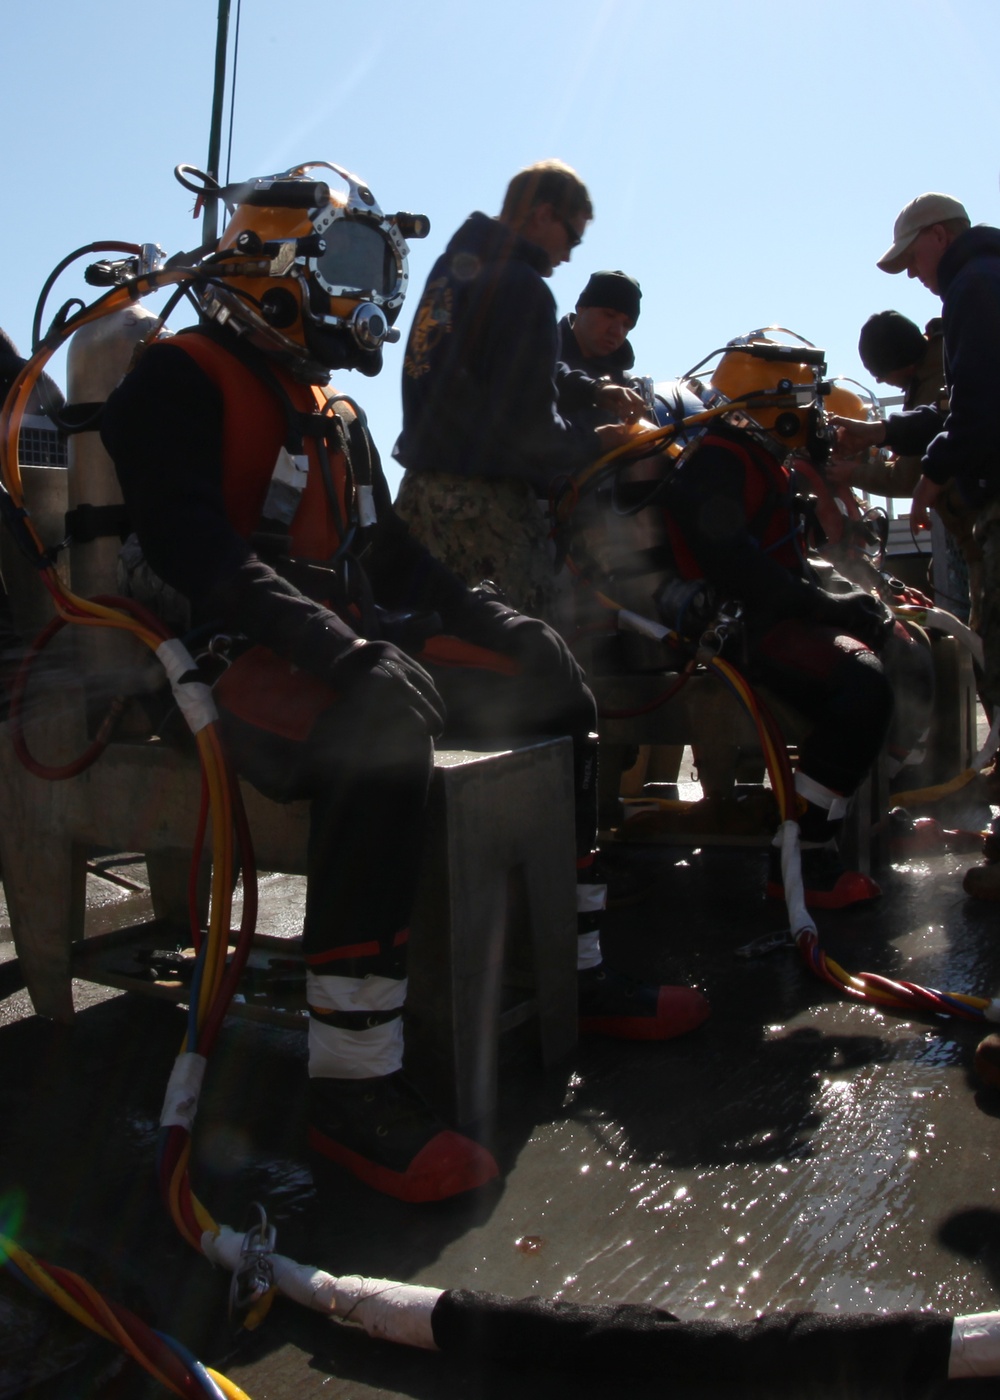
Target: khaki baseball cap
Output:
[(919, 214)]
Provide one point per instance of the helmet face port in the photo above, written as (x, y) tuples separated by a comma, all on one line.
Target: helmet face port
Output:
[(358, 258)]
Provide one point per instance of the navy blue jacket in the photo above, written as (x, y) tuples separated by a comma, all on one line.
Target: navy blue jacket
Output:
[(571, 357), (616, 365), (480, 378), (963, 443)]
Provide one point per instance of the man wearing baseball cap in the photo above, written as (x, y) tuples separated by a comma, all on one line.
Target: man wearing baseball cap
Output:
[(934, 241), (921, 215)]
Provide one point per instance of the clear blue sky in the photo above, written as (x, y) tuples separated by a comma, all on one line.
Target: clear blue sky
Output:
[(746, 158)]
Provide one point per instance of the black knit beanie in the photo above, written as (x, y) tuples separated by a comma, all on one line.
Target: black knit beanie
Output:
[(890, 341), (613, 289)]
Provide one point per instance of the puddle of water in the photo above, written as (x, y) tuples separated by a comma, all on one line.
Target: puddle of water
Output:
[(843, 1214)]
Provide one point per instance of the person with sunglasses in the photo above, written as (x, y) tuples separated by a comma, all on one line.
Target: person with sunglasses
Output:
[(488, 422)]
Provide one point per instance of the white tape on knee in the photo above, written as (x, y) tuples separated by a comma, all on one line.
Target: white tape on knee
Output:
[(327, 993), (833, 803), (588, 951), (338, 1053), (591, 899)]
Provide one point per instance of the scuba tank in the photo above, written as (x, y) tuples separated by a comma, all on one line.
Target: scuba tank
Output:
[(98, 358)]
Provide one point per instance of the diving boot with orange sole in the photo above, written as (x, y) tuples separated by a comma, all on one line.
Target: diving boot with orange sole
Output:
[(826, 881), (383, 1132)]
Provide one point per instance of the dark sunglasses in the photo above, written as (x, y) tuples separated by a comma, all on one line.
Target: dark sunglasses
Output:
[(573, 238)]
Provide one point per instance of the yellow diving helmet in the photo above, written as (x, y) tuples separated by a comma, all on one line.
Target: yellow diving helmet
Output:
[(314, 276)]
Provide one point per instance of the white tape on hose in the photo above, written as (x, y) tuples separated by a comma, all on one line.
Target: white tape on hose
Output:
[(989, 747), (194, 698), (180, 1103), (975, 1346), (945, 622), (396, 1312), (644, 626), (791, 876)]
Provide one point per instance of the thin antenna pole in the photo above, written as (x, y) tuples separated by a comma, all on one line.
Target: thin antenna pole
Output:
[(232, 91), (210, 223)]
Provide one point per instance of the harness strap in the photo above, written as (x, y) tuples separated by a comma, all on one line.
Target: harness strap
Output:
[(335, 425), (85, 523), (291, 469), (773, 496)]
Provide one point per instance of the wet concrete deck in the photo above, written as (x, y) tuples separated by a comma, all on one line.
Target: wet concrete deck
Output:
[(796, 1151)]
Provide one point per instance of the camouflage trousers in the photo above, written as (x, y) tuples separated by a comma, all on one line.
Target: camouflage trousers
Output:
[(483, 529), (964, 555), (987, 537)]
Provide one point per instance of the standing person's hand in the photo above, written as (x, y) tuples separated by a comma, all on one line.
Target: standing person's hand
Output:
[(853, 435), (611, 435), (924, 497), (623, 402)]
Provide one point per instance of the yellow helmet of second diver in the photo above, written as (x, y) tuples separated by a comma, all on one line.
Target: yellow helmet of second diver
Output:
[(745, 371)]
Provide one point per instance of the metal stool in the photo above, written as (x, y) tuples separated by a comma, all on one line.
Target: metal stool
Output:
[(499, 824)]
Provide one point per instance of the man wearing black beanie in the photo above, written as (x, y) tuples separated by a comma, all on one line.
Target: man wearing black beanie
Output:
[(890, 344), (595, 338), (894, 350)]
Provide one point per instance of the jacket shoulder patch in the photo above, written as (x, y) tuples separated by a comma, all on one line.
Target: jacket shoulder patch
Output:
[(431, 324)]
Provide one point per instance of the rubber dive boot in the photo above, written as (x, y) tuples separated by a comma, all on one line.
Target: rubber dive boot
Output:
[(909, 835), (614, 1005), (826, 881), (383, 1132)]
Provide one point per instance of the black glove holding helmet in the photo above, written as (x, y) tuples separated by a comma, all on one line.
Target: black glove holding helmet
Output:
[(859, 614), (483, 618), (399, 682), (258, 602)]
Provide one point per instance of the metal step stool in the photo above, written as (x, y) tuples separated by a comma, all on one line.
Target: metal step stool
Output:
[(499, 821)]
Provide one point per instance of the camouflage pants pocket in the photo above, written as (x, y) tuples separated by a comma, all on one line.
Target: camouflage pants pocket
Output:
[(484, 529)]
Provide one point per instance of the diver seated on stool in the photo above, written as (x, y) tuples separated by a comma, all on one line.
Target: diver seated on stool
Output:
[(733, 520), (256, 492)]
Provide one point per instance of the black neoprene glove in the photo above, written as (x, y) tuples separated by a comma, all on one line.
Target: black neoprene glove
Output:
[(482, 619), (383, 665), (861, 615)]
